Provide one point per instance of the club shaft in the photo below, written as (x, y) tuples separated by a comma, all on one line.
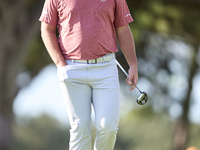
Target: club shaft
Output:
[(126, 74)]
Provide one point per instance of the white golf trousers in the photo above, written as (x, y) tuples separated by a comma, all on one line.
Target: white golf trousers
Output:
[(97, 84)]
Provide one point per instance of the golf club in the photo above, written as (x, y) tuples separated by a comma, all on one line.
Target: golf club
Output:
[(143, 98)]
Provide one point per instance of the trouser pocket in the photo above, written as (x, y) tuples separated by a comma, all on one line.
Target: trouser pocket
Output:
[(62, 73)]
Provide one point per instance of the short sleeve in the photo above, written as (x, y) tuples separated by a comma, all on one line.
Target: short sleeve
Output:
[(122, 14), (49, 13)]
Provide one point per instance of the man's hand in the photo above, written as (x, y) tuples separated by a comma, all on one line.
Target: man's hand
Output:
[(132, 78)]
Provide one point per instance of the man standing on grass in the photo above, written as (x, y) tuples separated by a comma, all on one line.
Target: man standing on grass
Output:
[(84, 54)]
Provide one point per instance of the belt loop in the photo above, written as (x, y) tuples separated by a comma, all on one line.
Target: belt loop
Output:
[(104, 58), (72, 61)]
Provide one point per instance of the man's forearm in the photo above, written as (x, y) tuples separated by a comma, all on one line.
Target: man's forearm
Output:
[(51, 44), (127, 45)]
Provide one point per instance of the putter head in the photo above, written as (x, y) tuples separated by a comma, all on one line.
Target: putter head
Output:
[(142, 99)]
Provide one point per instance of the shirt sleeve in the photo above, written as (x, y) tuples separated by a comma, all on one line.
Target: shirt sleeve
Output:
[(122, 14), (49, 13)]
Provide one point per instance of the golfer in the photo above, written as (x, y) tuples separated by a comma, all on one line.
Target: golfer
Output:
[(84, 53)]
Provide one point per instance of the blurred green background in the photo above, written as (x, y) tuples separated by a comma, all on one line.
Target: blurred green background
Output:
[(167, 38)]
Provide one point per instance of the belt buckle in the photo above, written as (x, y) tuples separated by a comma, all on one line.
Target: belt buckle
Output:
[(101, 59), (92, 61)]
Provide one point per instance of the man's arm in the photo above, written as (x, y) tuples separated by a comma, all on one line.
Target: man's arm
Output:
[(49, 38), (127, 46)]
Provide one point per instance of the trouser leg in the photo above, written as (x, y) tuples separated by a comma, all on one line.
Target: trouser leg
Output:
[(78, 102), (106, 107)]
